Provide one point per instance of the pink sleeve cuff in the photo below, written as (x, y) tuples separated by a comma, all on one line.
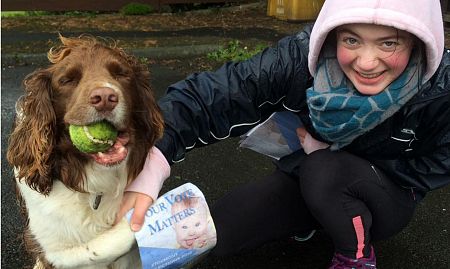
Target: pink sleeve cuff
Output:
[(150, 181)]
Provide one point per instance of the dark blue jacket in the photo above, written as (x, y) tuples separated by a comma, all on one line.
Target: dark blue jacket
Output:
[(412, 146)]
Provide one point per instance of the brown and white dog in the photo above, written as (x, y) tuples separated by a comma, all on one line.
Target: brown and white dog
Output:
[(71, 198)]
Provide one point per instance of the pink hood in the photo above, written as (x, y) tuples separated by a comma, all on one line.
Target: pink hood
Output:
[(423, 18)]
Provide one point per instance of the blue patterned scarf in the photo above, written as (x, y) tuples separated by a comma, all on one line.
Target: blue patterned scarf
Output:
[(340, 114)]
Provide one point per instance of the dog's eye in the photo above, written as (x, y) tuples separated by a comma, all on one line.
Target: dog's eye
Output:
[(70, 78), (121, 75), (118, 71), (66, 81)]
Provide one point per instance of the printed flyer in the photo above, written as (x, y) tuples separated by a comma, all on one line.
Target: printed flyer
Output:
[(178, 230), (275, 137)]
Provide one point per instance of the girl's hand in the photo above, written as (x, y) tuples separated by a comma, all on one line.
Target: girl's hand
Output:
[(148, 183), (140, 202), (309, 143)]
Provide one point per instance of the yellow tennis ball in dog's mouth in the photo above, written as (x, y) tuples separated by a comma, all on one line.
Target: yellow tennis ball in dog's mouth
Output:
[(93, 138)]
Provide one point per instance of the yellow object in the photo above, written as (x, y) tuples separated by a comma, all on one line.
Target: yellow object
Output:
[(294, 10)]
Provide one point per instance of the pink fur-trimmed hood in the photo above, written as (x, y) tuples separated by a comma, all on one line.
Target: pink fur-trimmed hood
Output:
[(423, 18)]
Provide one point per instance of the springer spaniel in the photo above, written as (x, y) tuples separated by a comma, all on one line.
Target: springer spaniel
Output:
[(71, 198)]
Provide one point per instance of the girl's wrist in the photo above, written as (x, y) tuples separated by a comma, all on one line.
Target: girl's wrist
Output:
[(155, 171)]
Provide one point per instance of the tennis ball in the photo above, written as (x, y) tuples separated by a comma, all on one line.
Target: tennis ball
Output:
[(93, 138)]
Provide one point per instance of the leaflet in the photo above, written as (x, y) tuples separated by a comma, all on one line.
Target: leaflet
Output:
[(275, 137), (178, 230)]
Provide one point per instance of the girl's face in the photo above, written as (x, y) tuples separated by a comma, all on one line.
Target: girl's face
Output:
[(372, 56)]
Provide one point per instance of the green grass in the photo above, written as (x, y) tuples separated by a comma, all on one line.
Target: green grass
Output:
[(234, 51), (12, 14), (6, 14), (136, 9), (9, 14)]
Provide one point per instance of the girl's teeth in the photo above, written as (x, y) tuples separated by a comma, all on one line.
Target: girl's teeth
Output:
[(370, 75)]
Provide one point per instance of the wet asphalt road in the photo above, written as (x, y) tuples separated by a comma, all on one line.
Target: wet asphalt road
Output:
[(14, 37), (425, 243)]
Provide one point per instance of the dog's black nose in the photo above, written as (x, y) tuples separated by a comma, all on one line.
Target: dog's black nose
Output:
[(103, 99)]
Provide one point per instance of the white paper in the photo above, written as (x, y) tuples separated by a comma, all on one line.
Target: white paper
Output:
[(177, 231), (276, 137)]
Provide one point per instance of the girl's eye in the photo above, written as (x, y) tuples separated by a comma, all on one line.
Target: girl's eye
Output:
[(350, 41), (184, 227), (197, 224), (389, 44)]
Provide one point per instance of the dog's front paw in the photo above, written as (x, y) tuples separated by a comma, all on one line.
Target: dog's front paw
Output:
[(97, 253), (113, 244), (68, 258)]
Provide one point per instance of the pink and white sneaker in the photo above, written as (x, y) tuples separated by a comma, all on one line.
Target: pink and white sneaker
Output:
[(339, 261)]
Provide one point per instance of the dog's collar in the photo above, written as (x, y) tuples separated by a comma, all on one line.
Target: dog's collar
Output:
[(97, 200)]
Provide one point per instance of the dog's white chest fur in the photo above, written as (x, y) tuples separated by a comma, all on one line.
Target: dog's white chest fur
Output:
[(71, 232)]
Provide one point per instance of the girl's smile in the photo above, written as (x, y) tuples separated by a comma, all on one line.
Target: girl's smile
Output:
[(369, 79)]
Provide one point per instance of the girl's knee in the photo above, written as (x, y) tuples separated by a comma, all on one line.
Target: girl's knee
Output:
[(324, 176), (321, 165)]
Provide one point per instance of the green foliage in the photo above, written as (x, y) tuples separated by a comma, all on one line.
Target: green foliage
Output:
[(6, 14), (143, 60), (76, 13), (136, 9), (10, 14), (234, 52)]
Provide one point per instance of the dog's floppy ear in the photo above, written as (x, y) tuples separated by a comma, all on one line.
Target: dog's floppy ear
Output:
[(32, 140), (152, 113), (149, 121)]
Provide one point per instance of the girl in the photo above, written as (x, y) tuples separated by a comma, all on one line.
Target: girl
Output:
[(370, 83)]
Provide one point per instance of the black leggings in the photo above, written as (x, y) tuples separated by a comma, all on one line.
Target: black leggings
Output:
[(345, 195)]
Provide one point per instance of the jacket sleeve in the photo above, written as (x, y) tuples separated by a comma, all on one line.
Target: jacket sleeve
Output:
[(210, 106), (424, 173), (429, 168)]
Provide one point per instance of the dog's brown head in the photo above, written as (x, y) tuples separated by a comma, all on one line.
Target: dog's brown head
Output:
[(88, 81)]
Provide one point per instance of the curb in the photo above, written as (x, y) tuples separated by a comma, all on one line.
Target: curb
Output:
[(154, 53)]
